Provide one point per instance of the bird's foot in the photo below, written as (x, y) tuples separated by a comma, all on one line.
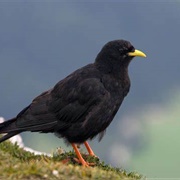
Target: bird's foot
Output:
[(93, 155), (65, 161), (84, 163)]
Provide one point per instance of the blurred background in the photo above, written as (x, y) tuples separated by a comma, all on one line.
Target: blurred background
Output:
[(42, 42)]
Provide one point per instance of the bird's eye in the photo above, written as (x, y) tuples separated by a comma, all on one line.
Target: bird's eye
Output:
[(131, 49)]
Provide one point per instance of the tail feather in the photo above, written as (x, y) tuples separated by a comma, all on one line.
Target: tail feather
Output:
[(7, 136), (7, 127)]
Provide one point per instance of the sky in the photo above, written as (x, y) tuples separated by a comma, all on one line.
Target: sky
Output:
[(43, 42)]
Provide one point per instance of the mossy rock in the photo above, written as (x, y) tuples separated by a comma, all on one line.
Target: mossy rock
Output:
[(15, 163)]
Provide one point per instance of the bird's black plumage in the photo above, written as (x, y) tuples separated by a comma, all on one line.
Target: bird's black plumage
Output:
[(83, 104)]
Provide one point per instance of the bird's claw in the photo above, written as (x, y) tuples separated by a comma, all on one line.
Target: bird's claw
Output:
[(65, 161), (84, 163)]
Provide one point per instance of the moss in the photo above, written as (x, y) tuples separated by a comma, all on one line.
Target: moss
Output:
[(15, 163)]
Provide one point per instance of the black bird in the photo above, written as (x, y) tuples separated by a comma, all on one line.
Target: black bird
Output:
[(83, 104)]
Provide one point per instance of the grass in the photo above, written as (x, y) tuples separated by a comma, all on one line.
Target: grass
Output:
[(15, 163)]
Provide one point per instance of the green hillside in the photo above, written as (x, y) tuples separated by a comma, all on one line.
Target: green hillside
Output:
[(16, 163)]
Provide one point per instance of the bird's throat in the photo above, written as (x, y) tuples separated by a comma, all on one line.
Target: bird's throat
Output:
[(115, 69)]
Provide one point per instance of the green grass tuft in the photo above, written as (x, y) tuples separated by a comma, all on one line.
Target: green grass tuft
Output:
[(15, 163)]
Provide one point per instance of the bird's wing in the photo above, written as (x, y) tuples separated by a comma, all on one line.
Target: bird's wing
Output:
[(67, 103), (92, 118), (36, 117), (87, 109), (75, 101), (72, 104)]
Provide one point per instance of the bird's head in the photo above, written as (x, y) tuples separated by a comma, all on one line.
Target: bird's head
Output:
[(118, 52)]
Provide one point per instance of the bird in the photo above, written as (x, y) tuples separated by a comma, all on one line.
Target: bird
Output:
[(83, 104)]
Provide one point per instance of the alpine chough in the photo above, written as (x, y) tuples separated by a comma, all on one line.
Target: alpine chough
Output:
[(83, 104)]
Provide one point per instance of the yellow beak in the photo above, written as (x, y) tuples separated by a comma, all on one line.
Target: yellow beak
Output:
[(137, 53)]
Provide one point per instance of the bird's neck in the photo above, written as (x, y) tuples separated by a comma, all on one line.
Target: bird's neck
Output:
[(114, 77), (112, 67)]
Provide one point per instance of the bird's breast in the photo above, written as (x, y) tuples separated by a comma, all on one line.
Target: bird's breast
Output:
[(116, 86)]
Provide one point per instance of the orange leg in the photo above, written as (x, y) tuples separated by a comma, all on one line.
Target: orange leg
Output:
[(90, 151), (82, 161)]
